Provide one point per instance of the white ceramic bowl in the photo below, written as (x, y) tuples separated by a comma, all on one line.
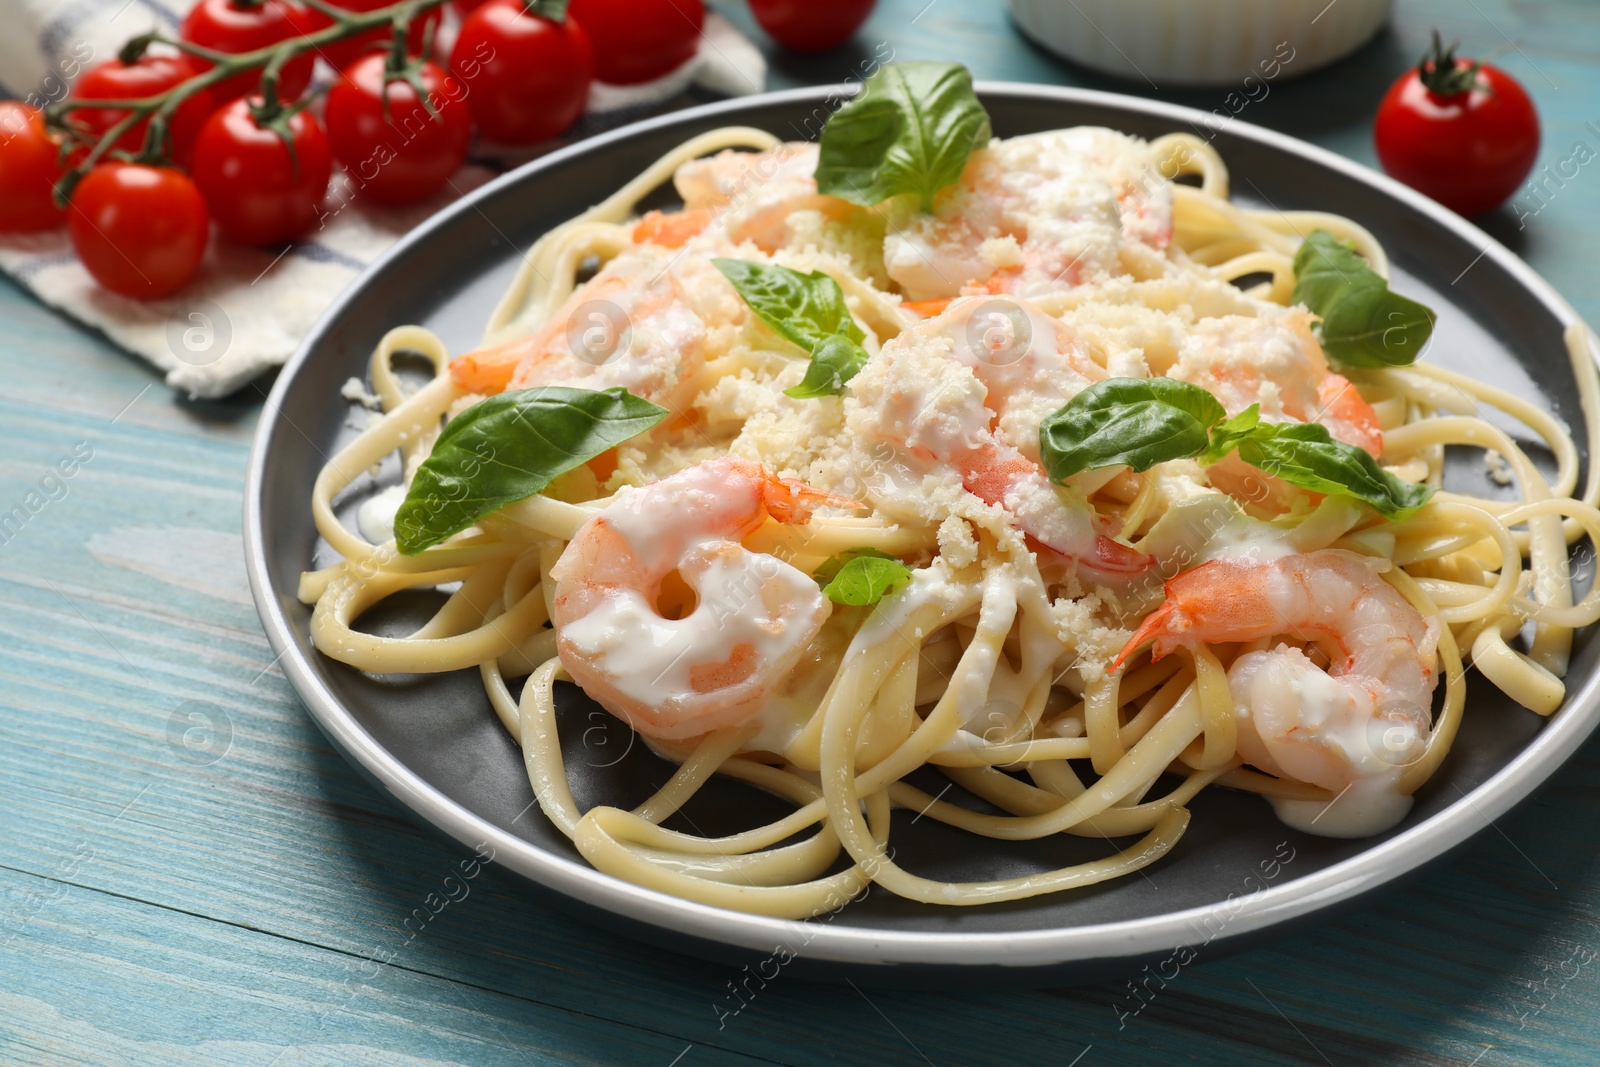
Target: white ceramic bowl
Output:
[(1201, 42)]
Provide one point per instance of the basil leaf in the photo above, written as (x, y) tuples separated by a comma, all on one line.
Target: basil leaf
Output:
[(835, 362), (1226, 436), (1134, 421), (829, 570), (803, 308), (1363, 324), (1305, 455), (862, 576), (509, 447), (807, 310), (1140, 422), (909, 130)]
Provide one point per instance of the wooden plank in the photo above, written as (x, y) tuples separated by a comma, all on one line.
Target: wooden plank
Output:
[(100, 980)]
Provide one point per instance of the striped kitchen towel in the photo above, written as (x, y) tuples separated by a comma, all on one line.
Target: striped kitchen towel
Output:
[(248, 308)]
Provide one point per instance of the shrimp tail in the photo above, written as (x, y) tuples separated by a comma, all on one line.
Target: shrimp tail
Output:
[(1117, 558), (1156, 625), (791, 501)]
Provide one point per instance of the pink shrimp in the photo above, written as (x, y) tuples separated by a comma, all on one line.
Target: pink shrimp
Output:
[(753, 614), (1365, 716), (1347, 415), (633, 325), (1033, 215), (966, 391), (671, 229), (1276, 362), (750, 195)]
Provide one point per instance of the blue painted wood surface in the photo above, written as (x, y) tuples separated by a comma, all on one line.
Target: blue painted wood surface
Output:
[(189, 875)]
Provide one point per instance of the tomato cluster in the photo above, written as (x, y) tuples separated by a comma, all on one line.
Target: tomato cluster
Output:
[(257, 160)]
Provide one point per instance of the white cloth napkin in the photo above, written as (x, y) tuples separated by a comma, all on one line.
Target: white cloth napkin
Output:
[(248, 308)]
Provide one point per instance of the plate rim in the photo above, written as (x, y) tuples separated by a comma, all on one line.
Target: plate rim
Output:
[(1341, 882)]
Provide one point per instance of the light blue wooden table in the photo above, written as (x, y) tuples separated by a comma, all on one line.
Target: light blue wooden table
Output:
[(245, 898)]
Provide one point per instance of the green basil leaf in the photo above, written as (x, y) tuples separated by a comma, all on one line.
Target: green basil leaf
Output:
[(1139, 422), (909, 130), (830, 568), (1305, 455), (1363, 324), (1134, 421), (862, 576), (509, 447), (1227, 435), (835, 362), (807, 310)]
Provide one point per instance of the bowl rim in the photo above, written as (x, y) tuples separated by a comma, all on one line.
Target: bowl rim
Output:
[(1342, 881)]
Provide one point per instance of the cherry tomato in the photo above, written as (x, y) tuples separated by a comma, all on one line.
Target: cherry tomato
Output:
[(259, 193), (343, 53), (1464, 133), (228, 26), (139, 230), (28, 170), (463, 8), (408, 154), (811, 25), (527, 77), (637, 40), (115, 80)]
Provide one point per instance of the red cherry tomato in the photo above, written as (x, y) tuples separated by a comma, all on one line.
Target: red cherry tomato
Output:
[(343, 53), (464, 8), (115, 80), (408, 154), (637, 40), (226, 26), (28, 170), (139, 230), (1466, 134), (258, 192), (811, 25), (527, 77)]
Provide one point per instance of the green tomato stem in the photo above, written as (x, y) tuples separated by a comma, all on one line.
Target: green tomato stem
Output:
[(160, 107)]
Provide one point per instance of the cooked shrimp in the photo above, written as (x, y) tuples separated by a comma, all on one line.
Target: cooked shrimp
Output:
[(753, 614), (964, 393), (640, 323), (1352, 726), (1036, 214), (671, 229), (1347, 415), (750, 195), (1274, 361)]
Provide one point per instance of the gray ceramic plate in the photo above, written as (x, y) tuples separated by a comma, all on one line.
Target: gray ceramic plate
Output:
[(433, 743)]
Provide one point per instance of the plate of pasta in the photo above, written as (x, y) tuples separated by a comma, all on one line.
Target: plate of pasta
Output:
[(941, 525)]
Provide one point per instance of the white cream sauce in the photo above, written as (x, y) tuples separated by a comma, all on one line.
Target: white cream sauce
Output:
[(1058, 207), (375, 517), (745, 598), (1366, 808)]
